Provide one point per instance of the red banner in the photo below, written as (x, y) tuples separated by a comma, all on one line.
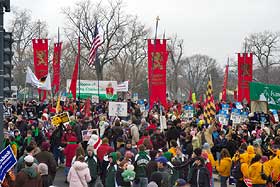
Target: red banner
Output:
[(224, 93), (245, 76), (157, 58), (56, 66), (40, 52), (40, 55)]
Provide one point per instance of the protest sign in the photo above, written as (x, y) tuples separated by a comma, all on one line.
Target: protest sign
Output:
[(235, 116), (7, 162), (225, 107), (189, 111), (60, 118), (223, 117), (275, 115), (118, 109)]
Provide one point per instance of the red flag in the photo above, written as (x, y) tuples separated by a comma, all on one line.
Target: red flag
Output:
[(87, 108), (56, 66), (245, 76), (157, 58), (40, 55), (73, 85), (190, 95), (224, 93)]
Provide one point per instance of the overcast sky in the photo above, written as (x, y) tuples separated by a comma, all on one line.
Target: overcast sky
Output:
[(212, 27)]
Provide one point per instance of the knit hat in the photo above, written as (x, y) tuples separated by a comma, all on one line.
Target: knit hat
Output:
[(162, 159), (29, 159), (152, 184), (45, 146), (43, 169), (206, 146), (114, 156)]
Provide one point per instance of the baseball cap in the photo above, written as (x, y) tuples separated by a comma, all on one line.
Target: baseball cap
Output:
[(180, 182), (161, 159)]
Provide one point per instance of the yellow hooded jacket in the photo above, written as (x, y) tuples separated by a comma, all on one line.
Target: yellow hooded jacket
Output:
[(249, 155), (224, 166), (255, 173), (275, 166)]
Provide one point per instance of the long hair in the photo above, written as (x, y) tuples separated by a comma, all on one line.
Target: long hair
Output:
[(256, 159), (224, 153)]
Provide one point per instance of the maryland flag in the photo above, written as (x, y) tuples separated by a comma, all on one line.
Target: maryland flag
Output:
[(209, 108)]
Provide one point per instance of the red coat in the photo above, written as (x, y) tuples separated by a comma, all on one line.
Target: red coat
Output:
[(103, 150), (151, 127), (70, 151), (140, 142)]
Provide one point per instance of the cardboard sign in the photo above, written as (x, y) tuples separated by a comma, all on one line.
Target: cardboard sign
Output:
[(7, 162), (118, 109), (60, 118)]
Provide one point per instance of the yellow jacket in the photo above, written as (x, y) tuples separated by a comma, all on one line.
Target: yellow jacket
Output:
[(275, 166), (249, 154), (173, 151), (224, 166), (14, 149), (255, 173)]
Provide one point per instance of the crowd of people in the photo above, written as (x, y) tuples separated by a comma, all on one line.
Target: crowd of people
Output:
[(160, 147)]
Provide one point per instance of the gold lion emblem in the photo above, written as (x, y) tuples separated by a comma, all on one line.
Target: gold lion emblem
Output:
[(157, 61), (41, 57)]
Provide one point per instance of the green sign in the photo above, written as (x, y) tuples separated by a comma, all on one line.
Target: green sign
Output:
[(266, 92), (107, 89)]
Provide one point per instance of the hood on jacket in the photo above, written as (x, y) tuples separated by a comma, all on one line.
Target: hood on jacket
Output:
[(80, 165), (250, 150), (30, 171)]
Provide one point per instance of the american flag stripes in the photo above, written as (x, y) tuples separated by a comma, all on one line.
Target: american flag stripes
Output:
[(95, 44), (209, 108)]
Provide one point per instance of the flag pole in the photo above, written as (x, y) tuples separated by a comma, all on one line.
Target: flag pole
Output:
[(79, 70)]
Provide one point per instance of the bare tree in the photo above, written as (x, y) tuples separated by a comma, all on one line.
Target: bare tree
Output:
[(112, 21), (24, 29), (175, 48), (196, 70), (265, 47)]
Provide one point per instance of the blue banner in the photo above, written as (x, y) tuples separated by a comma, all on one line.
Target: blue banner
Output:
[(7, 161)]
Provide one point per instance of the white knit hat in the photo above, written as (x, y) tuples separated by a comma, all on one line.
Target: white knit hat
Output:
[(29, 159)]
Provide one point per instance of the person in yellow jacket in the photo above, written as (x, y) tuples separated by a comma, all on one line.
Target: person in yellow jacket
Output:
[(255, 170), (206, 148), (223, 167), (244, 167), (249, 154), (275, 168)]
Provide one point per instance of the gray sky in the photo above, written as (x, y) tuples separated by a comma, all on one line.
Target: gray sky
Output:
[(213, 27)]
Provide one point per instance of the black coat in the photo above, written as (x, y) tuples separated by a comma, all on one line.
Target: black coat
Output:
[(200, 177)]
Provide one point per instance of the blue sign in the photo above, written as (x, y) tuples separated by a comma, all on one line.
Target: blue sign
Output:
[(7, 161), (235, 110), (225, 106)]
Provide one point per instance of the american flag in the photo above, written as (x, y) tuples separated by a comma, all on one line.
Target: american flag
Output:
[(95, 44)]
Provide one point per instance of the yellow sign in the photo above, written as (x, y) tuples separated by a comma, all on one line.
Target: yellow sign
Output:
[(60, 118)]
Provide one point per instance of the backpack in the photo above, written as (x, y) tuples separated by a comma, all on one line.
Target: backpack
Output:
[(236, 170)]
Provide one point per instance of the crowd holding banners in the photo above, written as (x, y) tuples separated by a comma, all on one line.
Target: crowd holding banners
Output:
[(134, 150)]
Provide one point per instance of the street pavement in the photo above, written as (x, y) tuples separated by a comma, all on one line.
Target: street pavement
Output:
[(60, 178)]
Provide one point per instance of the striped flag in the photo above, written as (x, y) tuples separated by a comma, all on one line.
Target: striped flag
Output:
[(209, 108), (248, 182), (96, 42)]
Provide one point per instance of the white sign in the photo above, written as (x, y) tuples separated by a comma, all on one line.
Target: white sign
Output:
[(118, 109), (122, 87), (94, 99)]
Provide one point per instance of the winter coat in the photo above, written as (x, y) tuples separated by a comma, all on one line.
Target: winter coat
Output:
[(140, 164), (110, 180), (46, 180), (151, 167), (255, 173), (94, 166), (79, 175), (104, 149), (134, 134), (28, 177), (158, 141), (275, 166), (20, 163), (69, 152), (47, 158), (224, 166), (200, 177)]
